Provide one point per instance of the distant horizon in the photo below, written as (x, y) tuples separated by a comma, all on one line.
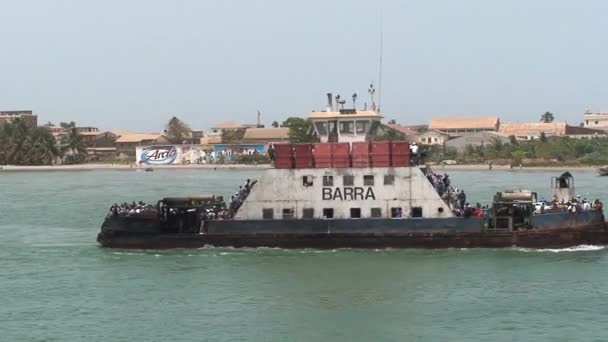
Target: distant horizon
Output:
[(134, 65)]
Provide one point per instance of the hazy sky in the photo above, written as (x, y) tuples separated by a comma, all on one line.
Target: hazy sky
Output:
[(132, 64)]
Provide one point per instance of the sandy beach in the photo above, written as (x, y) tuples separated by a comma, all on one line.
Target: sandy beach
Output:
[(124, 167)]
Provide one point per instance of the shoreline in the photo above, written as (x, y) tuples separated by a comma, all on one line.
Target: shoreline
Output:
[(126, 167)]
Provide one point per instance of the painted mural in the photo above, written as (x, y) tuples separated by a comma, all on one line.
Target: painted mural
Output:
[(192, 154), (158, 155)]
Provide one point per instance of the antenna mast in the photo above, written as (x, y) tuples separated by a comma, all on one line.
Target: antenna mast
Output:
[(380, 68)]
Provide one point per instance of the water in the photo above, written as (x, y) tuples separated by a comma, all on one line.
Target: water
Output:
[(56, 284)]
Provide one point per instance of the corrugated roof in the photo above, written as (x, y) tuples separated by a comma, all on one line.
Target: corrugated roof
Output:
[(137, 137), (356, 114), (573, 130), (532, 128), (228, 124), (279, 133), (404, 129), (489, 122)]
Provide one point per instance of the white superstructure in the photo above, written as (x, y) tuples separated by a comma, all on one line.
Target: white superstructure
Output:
[(379, 192)]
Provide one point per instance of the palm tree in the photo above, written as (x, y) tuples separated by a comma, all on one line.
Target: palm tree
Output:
[(16, 133), (73, 146), (41, 147)]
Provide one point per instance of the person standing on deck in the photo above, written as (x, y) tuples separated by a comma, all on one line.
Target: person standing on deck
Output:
[(414, 150)]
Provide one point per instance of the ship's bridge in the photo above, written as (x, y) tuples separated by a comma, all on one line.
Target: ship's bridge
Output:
[(345, 125)]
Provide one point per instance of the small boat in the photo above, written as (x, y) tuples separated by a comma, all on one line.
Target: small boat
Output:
[(149, 169), (603, 171)]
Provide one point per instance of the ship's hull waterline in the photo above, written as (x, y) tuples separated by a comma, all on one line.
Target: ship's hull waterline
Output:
[(549, 231)]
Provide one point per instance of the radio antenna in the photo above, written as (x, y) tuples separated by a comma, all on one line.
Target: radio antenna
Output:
[(380, 68)]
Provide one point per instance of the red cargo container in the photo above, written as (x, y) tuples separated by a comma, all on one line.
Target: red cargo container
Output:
[(340, 155), (283, 156), (360, 154), (322, 155), (400, 153), (303, 157), (381, 153)]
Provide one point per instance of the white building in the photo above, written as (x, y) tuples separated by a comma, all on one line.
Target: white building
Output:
[(595, 119)]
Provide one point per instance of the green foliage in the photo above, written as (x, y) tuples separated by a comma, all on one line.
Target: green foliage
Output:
[(390, 135), (72, 147), (21, 144), (300, 130), (252, 159), (275, 124), (177, 131), (547, 117), (550, 150), (67, 125), (233, 135)]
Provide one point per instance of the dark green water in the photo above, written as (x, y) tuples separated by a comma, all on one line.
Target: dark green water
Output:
[(56, 284)]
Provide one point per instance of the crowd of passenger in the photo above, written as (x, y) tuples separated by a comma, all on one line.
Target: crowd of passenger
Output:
[(131, 209), (575, 205), (455, 198), (239, 197)]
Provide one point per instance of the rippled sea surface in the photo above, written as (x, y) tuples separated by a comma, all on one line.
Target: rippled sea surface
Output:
[(57, 284)]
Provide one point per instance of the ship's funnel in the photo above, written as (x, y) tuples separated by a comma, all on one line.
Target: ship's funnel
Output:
[(330, 105)]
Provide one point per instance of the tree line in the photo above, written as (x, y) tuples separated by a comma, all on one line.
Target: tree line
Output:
[(23, 144), (546, 150)]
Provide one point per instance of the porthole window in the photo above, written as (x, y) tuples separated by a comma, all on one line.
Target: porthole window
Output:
[(389, 179), (355, 212), (368, 180), (288, 214), (306, 181), (348, 180), (267, 214), (308, 213), (416, 212), (328, 180), (328, 213), (376, 212), (396, 212)]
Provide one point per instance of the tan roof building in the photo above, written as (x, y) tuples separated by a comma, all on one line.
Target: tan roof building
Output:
[(126, 143), (263, 135), (229, 125), (456, 126), (211, 139), (533, 130)]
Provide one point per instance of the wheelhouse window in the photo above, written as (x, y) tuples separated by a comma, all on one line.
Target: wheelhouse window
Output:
[(376, 212), (416, 212), (355, 212), (348, 180), (267, 213), (362, 127), (306, 181), (321, 127), (396, 212), (328, 213), (308, 213), (368, 180), (347, 127), (328, 180), (389, 179), (288, 214)]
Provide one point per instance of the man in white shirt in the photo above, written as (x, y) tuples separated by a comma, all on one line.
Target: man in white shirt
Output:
[(414, 150)]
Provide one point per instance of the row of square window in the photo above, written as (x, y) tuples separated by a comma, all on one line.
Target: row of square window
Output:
[(349, 180), (328, 213)]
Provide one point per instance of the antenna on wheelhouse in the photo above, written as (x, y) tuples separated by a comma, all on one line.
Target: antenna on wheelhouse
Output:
[(380, 67), (371, 92)]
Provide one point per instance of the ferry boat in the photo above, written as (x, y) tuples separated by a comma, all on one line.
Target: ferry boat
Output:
[(348, 191)]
